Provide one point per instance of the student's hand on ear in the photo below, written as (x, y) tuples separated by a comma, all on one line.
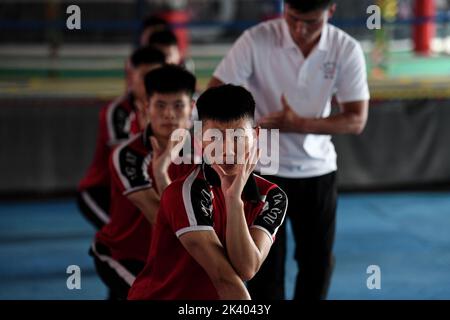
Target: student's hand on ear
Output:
[(232, 186), (161, 156), (286, 120), (141, 114)]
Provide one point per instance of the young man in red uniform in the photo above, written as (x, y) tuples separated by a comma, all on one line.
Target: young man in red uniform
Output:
[(141, 169), (117, 122), (216, 225)]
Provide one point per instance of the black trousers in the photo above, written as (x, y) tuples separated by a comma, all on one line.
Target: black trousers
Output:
[(94, 205), (312, 212)]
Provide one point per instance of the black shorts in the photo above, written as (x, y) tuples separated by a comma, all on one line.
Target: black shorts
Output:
[(312, 213), (118, 275), (94, 204)]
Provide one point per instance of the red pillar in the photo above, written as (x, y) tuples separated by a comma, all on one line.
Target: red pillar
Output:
[(423, 32)]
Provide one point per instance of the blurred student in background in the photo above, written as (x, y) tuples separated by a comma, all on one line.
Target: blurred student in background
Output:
[(117, 122)]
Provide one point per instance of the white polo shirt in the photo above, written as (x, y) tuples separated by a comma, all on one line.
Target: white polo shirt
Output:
[(268, 63)]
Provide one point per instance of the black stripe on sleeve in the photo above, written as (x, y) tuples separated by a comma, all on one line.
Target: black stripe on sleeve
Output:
[(133, 167)]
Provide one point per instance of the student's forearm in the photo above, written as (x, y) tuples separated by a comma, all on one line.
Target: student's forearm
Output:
[(242, 250), (148, 203), (162, 181), (231, 288), (206, 248), (150, 210)]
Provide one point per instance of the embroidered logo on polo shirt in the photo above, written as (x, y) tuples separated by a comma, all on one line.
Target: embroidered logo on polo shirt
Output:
[(329, 70)]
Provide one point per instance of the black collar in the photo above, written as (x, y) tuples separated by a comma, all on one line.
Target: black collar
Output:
[(251, 190)]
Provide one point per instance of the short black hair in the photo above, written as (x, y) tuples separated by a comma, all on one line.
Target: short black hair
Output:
[(147, 55), (226, 103), (153, 21), (170, 79), (165, 37), (308, 5)]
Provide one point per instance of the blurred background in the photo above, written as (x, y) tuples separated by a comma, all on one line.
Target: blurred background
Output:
[(394, 206)]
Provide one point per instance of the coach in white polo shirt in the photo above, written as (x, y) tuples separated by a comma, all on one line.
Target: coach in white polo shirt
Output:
[(293, 66)]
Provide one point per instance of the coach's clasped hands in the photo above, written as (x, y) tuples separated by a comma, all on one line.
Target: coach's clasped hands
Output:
[(286, 120)]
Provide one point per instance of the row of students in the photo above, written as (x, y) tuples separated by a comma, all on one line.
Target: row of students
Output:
[(186, 231), (123, 190)]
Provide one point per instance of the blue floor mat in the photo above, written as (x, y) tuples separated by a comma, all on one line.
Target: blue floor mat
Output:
[(405, 234)]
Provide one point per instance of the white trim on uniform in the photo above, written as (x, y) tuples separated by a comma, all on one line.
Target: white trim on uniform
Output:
[(187, 185), (257, 175), (127, 192), (90, 202), (121, 271), (263, 229), (264, 196), (193, 228)]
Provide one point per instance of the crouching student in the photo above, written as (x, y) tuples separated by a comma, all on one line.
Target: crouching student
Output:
[(141, 169), (215, 226)]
